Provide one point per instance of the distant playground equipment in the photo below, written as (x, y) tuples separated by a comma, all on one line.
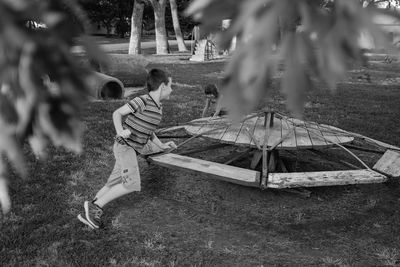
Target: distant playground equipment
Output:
[(108, 79), (129, 69), (202, 47), (103, 86)]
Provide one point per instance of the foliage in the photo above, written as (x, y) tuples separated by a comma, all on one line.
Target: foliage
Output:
[(33, 108), (109, 13), (309, 38)]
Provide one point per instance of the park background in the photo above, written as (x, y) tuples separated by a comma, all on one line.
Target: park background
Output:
[(185, 218)]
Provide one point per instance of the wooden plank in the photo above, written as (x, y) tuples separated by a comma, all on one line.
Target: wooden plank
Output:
[(275, 133), (389, 164), (256, 159), (281, 132), (195, 126), (210, 125), (243, 137), (232, 133), (316, 135), (259, 131), (330, 138), (326, 178), (368, 139), (218, 133), (340, 135), (303, 139), (290, 141), (220, 171)]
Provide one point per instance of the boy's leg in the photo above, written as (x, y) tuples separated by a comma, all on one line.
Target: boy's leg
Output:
[(92, 212), (114, 178), (130, 176)]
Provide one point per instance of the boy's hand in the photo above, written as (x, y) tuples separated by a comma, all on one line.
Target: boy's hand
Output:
[(124, 133), (169, 144)]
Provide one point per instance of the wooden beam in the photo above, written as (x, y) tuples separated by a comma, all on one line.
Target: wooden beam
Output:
[(364, 149), (325, 178), (215, 170), (238, 156), (265, 153), (202, 149), (389, 164), (256, 159)]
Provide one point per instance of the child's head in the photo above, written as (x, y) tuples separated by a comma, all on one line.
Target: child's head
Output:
[(155, 78), (211, 89), (158, 79)]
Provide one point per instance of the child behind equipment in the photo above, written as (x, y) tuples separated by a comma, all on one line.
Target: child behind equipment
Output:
[(212, 97)]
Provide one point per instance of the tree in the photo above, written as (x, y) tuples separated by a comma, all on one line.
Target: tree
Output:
[(31, 108), (136, 28), (177, 27), (109, 13), (159, 19), (319, 38), (103, 12)]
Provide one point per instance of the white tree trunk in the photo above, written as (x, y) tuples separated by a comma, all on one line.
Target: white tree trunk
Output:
[(177, 27), (136, 28), (161, 32)]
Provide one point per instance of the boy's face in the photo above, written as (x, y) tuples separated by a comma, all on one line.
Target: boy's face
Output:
[(210, 96), (166, 89)]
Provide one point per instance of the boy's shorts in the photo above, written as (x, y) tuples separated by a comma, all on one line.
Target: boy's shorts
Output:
[(150, 148), (126, 168)]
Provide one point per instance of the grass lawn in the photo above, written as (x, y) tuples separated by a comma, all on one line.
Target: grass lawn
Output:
[(184, 219)]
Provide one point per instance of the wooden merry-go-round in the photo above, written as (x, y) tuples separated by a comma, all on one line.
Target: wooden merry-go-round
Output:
[(262, 136)]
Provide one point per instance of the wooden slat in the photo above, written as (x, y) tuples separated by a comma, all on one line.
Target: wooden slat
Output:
[(243, 137), (290, 141), (330, 138), (340, 135), (389, 164), (231, 133), (303, 139), (368, 139), (220, 171), (215, 124), (315, 135), (275, 133), (327, 178), (206, 128), (259, 131), (195, 125)]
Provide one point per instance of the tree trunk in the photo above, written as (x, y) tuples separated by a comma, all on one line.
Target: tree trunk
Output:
[(108, 27), (177, 27), (161, 32), (136, 28)]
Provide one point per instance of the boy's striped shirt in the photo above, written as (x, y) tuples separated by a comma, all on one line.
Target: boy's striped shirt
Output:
[(143, 121)]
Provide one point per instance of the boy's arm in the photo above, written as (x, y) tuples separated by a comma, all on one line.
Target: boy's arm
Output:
[(218, 107), (208, 100), (117, 120)]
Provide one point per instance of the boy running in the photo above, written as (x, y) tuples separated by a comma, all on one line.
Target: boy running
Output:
[(134, 135)]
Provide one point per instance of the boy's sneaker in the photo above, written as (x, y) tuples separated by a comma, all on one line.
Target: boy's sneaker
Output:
[(92, 216)]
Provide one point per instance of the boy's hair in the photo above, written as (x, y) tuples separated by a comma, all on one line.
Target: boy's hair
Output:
[(155, 78), (211, 89)]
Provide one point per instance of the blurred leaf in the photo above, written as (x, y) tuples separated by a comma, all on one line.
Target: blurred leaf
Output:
[(42, 84), (10, 147), (17, 4), (5, 201), (324, 41), (52, 18)]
